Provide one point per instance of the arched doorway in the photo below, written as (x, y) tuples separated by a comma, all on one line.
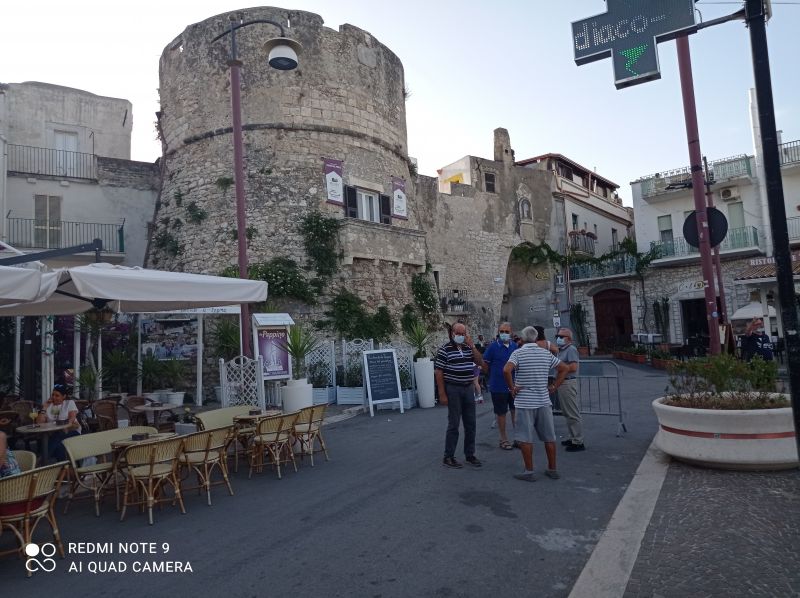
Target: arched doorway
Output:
[(530, 292), (613, 320)]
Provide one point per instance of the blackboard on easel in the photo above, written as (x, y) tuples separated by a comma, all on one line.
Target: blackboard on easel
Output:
[(382, 378)]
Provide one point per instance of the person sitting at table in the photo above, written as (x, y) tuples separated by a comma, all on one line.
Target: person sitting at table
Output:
[(59, 409), (8, 463)]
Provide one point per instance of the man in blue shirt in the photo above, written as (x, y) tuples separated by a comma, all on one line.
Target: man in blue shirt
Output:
[(494, 359)]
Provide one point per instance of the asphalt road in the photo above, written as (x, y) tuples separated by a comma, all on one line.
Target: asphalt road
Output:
[(382, 518)]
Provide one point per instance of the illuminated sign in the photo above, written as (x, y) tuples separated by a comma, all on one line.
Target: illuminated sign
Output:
[(629, 32)]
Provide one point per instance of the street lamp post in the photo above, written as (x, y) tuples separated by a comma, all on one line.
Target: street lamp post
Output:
[(282, 55)]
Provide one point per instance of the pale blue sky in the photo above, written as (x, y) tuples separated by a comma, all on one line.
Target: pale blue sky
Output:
[(471, 66)]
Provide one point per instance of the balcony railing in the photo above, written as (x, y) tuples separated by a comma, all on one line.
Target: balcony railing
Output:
[(719, 170), (38, 234), (24, 159), (789, 152), (581, 243), (455, 301), (623, 264), (737, 238)]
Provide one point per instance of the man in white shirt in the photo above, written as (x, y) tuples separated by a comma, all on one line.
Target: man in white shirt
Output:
[(532, 364)]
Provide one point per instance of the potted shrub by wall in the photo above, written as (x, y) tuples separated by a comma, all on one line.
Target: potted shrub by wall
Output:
[(151, 370), (724, 413), (322, 388), (419, 338), (350, 382), (577, 317), (298, 392), (174, 374), (224, 338), (119, 368)]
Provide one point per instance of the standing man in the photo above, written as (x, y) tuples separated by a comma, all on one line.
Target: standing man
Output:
[(532, 400), (568, 393), (756, 342), (454, 365), (494, 360)]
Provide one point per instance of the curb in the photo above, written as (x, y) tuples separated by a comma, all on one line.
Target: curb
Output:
[(348, 413)]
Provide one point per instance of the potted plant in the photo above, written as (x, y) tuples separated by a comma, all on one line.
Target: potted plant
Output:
[(323, 391), (722, 412), (350, 382), (224, 339), (118, 369), (661, 360), (87, 379), (174, 374), (151, 371), (298, 393), (419, 338), (577, 317)]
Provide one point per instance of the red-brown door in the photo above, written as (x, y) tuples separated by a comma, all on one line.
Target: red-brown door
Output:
[(613, 320)]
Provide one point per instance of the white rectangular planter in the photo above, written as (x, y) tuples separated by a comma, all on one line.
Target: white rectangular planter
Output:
[(409, 401), (347, 395), (324, 395)]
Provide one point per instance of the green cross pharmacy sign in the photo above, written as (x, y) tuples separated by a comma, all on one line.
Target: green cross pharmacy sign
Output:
[(629, 32)]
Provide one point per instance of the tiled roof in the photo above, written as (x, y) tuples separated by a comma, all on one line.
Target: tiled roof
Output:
[(765, 271)]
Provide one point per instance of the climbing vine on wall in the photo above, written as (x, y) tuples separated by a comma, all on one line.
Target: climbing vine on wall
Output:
[(424, 295), (284, 276), (321, 242), (349, 318)]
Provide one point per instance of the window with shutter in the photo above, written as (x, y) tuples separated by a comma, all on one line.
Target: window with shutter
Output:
[(47, 221), (386, 209), (350, 202)]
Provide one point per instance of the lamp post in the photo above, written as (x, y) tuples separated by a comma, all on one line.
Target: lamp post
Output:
[(282, 55)]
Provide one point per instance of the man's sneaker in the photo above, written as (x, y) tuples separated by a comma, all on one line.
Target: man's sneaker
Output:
[(574, 448), (527, 476), (552, 474), (474, 461), (566, 442), (451, 462)]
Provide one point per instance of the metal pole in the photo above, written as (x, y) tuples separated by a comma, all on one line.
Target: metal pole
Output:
[(695, 158), (723, 304), (777, 209), (238, 177)]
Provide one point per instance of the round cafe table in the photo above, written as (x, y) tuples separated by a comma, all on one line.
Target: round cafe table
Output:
[(246, 418), (44, 431)]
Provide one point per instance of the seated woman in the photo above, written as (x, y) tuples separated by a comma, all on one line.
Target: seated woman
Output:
[(59, 409), (8, 464)]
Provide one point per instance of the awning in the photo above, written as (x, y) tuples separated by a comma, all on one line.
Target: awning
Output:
[(764, 271)]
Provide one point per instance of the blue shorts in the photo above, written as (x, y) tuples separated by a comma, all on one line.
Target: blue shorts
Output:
[(502, 402)]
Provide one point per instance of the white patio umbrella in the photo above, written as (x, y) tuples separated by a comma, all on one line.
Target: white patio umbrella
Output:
[(18, 284), (70, 291)]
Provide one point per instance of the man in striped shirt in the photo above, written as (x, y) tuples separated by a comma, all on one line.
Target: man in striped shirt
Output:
[(454, 365), (532, 400)]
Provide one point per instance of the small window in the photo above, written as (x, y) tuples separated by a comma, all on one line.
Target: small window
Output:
[(595, 230), (614, 238), (735, 216), (574, 222), (565, 171), (368, 206), (605, 192), (489, 182), (47, 221)]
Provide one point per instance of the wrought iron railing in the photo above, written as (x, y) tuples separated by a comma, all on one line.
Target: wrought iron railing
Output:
[(790, 152), (454, 301), (622, 264), (718, 170), (737, 238), (39, 234), (25, 159)]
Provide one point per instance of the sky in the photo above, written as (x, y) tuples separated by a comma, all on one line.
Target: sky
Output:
[(471, 66)]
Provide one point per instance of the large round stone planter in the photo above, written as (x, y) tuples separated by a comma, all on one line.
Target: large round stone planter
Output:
[(757, 439), (423, 374), (296, 395)]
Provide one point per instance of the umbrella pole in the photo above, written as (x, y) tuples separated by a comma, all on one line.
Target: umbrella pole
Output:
[(76, 357), (17, 340), (138, 354), (198, 397)]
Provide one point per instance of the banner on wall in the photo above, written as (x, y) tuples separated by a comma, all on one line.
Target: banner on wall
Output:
[(333, 180), (399, 203)]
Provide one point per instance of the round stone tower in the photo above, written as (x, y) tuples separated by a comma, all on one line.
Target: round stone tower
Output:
[(345, 101)]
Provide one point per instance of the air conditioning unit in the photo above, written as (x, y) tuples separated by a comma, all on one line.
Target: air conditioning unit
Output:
[(729, 194)]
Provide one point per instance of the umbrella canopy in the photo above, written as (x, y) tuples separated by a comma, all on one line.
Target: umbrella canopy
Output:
[(18, 284), (75, 290)]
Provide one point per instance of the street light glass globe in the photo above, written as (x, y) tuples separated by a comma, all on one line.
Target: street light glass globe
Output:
[(283, 58)]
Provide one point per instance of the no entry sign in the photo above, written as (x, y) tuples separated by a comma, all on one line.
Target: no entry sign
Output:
[(629, 32)]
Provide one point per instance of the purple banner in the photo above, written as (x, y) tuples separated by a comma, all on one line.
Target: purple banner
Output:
[(333, 172), (399, 203), (272, 348)]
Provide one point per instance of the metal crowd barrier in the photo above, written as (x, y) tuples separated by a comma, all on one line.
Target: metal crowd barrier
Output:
[(599, 391)]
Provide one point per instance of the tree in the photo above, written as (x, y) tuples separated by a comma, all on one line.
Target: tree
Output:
[(642, 261)]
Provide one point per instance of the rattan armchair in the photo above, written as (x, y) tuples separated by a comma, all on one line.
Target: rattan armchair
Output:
[(203, 452), (28, 498), (273, 437), (106, 413), (150, 466), (136, 418), (26, 460), (308, 429)]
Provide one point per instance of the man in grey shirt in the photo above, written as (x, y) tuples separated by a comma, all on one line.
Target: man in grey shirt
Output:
[(568, 392)]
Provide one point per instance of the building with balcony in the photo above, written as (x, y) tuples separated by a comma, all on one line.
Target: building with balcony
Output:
[(66, 177), (662, 203)]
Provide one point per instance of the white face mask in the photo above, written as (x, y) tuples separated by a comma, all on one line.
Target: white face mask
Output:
[(560, 342), (505, 337), (760, 330), (459, 339)]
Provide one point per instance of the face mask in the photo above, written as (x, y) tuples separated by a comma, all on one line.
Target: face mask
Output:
[(560, 342), (760, 330), (458, 339), (505, 337)]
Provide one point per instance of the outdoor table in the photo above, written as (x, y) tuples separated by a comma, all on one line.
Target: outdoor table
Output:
[(246, 418), (155, 410), (43, 430), (118, 447)]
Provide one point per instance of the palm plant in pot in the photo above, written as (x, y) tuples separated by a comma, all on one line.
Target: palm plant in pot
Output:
[(224, 338), (419, 338), (151, 371), (174, 374), (298, 392)]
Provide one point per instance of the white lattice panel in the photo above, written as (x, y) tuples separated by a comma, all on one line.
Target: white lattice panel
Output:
[(321, 365), (242, 382), (405, 363)]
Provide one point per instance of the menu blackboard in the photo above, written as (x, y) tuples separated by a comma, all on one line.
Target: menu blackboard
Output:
[(382, 377)]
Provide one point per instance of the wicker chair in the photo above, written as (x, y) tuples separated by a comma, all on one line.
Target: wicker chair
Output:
[(202, 452), (106, 413), (100, 476), (26, 460), (6, 401), (218, 418), (308, 429), (25, 500), (273, 437), (150, 466), (24, 409), (136, 418), (9, 420)]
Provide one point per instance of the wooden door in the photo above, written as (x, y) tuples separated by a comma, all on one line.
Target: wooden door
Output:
[(613, 320)]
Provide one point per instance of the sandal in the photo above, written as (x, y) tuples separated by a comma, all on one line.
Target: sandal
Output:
[(506, 445)]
